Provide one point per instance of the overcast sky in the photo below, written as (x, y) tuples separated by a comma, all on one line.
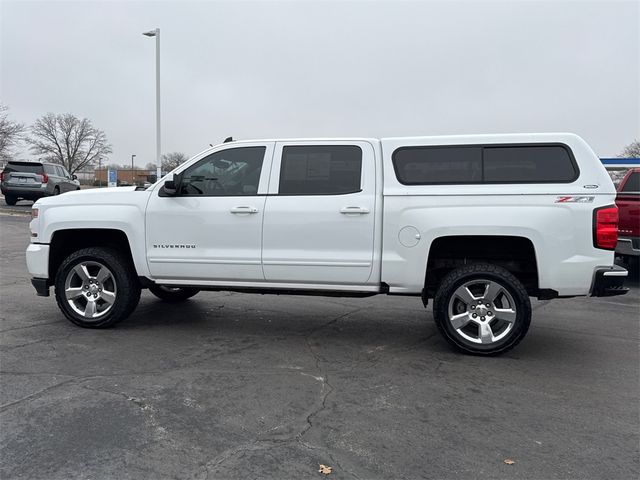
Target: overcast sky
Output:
[(280, 69)]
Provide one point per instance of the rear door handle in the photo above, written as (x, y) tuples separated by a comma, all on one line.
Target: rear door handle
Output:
[(354, 210), (244, 209)]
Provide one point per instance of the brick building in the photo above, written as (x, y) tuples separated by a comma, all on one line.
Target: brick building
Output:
[(137, 176)]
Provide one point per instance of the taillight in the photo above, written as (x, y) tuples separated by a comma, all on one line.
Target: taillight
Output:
[(45, 178), (2, 176), (605, 227)]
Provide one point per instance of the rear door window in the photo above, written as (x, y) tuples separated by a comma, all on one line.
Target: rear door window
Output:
[(320, 170), (60, 171)]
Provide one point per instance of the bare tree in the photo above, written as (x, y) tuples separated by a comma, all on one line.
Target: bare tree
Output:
[(10, 133), (150, 166), (69, 141), (173, 160), (632, 150)]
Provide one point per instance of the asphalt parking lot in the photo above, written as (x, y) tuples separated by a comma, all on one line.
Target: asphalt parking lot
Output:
[(238, 386)]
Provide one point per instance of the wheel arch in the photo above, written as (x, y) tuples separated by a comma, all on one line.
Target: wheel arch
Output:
[(66, 241), (517, 254)]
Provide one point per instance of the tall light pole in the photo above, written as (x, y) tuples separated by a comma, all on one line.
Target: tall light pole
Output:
[(156, 33)]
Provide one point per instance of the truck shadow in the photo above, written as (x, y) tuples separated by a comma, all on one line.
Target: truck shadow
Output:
[(340, 335)]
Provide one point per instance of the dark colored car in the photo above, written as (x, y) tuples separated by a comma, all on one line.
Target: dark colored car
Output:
[(33, 180), (628, 202)]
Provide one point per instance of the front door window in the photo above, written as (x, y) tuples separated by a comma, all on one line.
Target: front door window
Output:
[(233, 172)]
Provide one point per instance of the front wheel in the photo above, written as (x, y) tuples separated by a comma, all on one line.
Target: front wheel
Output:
[(96, 287), (172, 294), (482, 309), (10, 200)]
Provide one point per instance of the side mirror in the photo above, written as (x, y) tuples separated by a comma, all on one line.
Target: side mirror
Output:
[(74, 177), (171, 185)]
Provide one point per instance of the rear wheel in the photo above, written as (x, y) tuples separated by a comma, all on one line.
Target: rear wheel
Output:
[(482, 309), (10, 200), (96, 287), (56, 191), (173, 294)]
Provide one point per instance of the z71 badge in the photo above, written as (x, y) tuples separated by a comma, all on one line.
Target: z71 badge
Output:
[(575, 199)]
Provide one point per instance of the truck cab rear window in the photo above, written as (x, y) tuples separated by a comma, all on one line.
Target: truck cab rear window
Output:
[(484, 164), (633, 183), (320, 170)]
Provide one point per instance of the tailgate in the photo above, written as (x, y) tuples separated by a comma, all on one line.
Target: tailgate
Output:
[(629, 213), (23, 179)]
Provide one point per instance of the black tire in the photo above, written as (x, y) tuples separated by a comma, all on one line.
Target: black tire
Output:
[(56, 191), (124, 278), (10, 200), (513, 331), (172, 294)]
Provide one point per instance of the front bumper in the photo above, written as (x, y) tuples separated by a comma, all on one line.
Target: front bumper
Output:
[(41, 285), (629, 246), (38, 266), (609, 281), (38, 260)]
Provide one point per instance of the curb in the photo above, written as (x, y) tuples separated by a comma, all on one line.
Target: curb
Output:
[(15, 213)]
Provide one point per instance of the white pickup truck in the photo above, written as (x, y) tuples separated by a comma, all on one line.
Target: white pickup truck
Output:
[(477, 223)]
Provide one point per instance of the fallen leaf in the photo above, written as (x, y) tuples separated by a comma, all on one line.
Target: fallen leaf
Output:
[(325, 470), (508, 461)]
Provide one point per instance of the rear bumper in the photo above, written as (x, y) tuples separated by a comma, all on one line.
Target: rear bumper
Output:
[(628, 246), (24, 192), (609, 281)]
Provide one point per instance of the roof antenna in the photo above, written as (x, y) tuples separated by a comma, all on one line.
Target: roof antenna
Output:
[(228, 139)]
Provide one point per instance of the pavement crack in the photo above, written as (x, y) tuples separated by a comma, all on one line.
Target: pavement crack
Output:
[(332, 321), (266, 443), (322, 376), (42, 340), (325, 392), (238, 450), (29, 326), (37, 394)]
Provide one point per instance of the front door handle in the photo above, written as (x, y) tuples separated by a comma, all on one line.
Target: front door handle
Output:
[(354, 210), (244, 209)]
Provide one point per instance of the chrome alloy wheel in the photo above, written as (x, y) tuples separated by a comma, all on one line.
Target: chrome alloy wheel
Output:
[(482, 311), (90, 289)]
